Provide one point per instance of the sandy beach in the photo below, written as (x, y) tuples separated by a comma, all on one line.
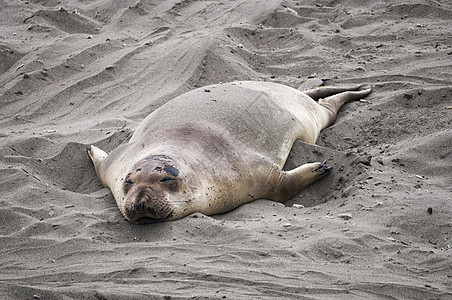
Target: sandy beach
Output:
[(75, 73)]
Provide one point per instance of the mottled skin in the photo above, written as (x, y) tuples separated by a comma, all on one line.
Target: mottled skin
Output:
[(215, 148)]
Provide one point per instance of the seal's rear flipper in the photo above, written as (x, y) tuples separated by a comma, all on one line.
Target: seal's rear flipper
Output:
[(332, 104), (325, 91)]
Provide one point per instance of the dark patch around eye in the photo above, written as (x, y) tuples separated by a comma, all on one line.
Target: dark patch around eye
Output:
[(128, 182), (171, 171), (138, 170)]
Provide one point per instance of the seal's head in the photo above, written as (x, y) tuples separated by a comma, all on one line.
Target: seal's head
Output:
[(151, 190)]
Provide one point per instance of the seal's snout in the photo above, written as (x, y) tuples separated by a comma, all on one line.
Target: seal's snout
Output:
[(138, 206), (146, 205), (141, 203)]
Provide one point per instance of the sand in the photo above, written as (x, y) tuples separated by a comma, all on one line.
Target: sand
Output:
[(76, 73)]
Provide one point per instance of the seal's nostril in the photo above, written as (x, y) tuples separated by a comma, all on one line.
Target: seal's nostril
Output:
[(151, 211), (138, 206)]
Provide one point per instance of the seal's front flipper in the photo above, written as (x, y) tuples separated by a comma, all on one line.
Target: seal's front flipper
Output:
[(97, 156), (323, 169), (293, 181)]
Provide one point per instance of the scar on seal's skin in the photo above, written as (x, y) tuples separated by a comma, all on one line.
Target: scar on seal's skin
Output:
[(159, 157)]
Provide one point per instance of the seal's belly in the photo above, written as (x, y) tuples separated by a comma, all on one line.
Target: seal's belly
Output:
[(264, 117)]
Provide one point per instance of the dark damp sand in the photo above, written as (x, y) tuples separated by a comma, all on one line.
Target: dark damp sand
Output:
[(87, 72)]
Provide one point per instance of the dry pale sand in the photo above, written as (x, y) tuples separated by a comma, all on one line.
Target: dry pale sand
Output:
[(75, 73)]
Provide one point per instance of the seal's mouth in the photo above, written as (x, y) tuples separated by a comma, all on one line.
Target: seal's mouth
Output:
[(149, 220), (148, 210)]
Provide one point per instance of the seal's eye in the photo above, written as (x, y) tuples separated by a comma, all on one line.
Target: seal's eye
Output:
[(167, 180), (127, 185), (169, 183)]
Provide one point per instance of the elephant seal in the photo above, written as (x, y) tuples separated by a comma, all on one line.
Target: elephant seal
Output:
[(215, 148)]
